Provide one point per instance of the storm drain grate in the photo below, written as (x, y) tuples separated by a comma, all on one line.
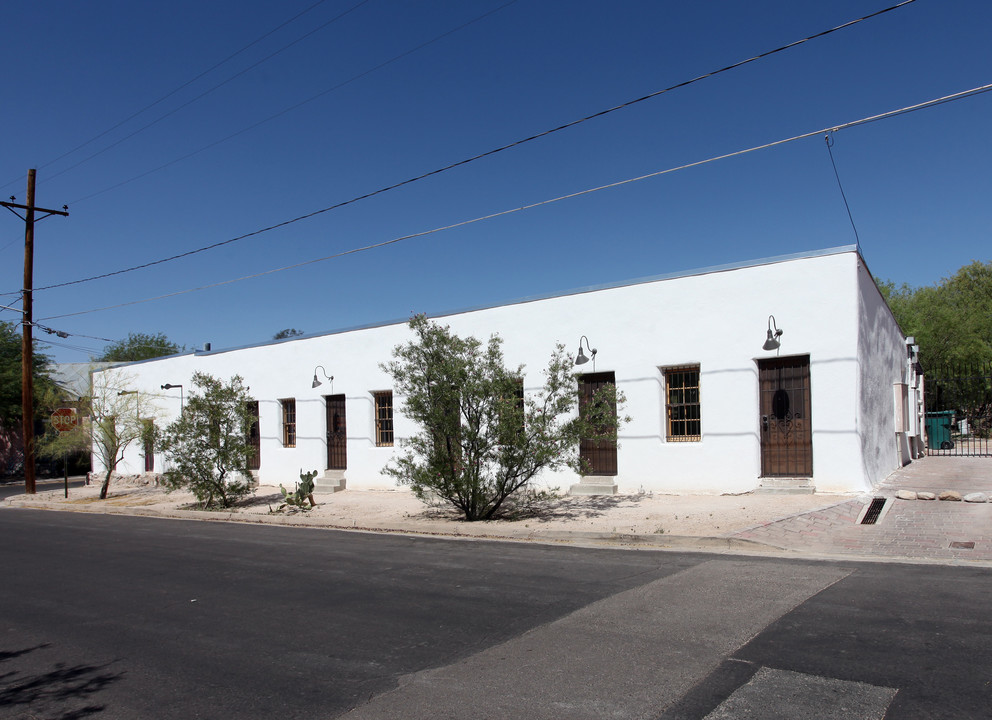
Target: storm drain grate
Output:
[(874, 510), (963, 544)]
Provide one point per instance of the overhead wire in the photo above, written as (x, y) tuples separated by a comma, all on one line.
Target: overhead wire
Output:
[(296, 106), (832, 129), (176, 90), (830, 144), (66, 335), (76, 348), (12, 309), (479, 156), (206, 92)]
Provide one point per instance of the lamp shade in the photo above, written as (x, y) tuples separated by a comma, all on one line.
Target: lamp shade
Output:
[(772, 340)]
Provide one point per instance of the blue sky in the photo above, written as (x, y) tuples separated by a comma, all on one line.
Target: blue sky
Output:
[(398, 89)]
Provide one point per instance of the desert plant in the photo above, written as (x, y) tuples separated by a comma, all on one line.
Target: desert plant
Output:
[(303, 494), (208, 445), (483, 439)]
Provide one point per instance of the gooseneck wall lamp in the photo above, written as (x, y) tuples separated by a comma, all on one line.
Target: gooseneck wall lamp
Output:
[(137, 401), (581, 358), (772, 342), (316, 382)]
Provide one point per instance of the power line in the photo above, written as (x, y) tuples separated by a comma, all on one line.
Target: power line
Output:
[(832, 129), (830, 144), (298, 105), (488, 153), (173, 92), (65, 335), (76, 348), (207, 92)]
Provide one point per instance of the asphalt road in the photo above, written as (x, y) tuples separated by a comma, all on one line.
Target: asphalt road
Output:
[(118, 617)]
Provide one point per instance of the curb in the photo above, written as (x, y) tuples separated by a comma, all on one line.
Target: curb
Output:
[(578, 537), (727, 544)]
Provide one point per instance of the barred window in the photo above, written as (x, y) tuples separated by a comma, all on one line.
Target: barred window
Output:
[(383, 418), (682, 404), (289, 422)]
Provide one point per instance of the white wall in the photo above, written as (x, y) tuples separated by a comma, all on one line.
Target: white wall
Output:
[(716, 319), (882, 361)]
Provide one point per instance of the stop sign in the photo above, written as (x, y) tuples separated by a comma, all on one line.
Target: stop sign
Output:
[(64, 419)]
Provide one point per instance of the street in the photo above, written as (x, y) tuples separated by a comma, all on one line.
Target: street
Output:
[(129, 617)]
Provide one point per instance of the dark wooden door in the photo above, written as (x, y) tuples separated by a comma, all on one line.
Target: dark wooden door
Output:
[(786, 430), (254, 436), (337, 435), (601, 455), (149, 434)]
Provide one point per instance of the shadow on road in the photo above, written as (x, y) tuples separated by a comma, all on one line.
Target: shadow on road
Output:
[(64, 691)]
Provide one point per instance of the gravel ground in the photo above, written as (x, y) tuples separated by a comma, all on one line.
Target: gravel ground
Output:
[(399, 510)]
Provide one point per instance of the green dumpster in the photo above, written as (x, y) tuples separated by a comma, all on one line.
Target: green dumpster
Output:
[(939, 429)]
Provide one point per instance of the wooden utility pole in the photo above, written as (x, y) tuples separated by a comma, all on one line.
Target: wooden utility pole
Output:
[(27, 355)]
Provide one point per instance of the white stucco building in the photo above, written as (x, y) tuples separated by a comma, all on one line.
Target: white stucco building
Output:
[(714, 408)]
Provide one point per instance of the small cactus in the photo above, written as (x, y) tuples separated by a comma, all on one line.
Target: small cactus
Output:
[(304, 492)]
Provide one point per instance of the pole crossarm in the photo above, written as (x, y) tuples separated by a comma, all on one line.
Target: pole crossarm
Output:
[(64, 212)]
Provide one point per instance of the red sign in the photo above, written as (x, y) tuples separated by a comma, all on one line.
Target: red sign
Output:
[(64, 419)]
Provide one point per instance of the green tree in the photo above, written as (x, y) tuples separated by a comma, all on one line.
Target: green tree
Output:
[(113, 417), (287, 333), (139, 346), (74, 446), (207, 446), (952, 324), (10, 375), (951, 320), (482, 441)]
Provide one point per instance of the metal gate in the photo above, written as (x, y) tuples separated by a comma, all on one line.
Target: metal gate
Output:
[(148, 428), (959, 410), (337, 433), (254, 438), (784, 407), (599, 455)]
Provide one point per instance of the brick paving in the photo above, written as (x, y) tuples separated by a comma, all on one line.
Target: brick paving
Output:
[(915, 529)]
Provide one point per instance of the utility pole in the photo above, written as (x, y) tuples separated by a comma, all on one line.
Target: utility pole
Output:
[(27, 355)]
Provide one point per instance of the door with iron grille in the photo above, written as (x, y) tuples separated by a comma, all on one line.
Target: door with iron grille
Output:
[(149, 442), (786, 431), (254, 436), (337, 436), (601, 455)]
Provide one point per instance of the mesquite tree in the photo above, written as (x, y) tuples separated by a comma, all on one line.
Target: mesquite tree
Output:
[(117, 416), (207, 446), (482, 439)]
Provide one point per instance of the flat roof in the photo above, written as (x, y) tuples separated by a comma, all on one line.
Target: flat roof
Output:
[(535, 298)]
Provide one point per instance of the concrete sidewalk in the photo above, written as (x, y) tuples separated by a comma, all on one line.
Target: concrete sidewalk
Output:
[(920, 530), (809, 525)]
